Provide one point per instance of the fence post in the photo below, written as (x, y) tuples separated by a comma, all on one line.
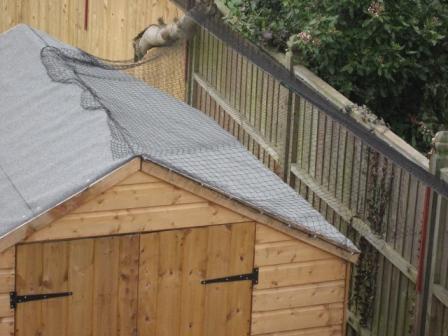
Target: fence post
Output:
[(191, 66), (289, 124), (438, 161)]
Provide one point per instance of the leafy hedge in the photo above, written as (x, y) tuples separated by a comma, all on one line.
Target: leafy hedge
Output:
[(390, 55)]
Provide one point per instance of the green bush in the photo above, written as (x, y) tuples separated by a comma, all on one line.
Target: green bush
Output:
[(390, 55)]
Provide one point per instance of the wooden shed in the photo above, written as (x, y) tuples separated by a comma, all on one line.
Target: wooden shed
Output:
[(165, 242)]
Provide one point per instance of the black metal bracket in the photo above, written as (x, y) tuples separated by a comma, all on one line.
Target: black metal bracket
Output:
[(14, 299), (241, 277)]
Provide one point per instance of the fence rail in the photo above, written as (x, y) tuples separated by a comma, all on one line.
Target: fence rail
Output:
[(362, 191)]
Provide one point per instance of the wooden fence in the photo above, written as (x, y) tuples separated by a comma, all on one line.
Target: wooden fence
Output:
[(435, 286), (367, 196), (437, 312), (105, 29)]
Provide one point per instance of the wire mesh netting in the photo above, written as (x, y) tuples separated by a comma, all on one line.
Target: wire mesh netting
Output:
[(170, 66), (287, 130), (73, 66), (360, 180), (147, 122), (363, 191), (348, 181)]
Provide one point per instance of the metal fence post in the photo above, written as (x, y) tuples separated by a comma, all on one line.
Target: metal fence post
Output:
[(438, 160)]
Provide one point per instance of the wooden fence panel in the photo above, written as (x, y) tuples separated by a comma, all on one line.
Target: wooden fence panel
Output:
[(438, 308), (255, 104), (107, 32), (111, 25), (8, 14), (360, 191)]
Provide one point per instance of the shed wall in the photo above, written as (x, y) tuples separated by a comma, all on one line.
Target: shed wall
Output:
[(7, 275), (301, 289), (140, 203)]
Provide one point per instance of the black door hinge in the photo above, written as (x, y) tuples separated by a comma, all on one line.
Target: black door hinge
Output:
[(14, 299), (241, 277)]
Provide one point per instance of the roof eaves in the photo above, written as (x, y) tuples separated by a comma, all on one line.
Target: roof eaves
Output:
[(102, 184), (217, 196)]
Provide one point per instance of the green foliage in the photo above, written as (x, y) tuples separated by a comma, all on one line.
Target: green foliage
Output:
[(390, 55)]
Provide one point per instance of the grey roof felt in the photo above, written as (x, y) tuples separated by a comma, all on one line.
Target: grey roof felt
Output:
[(52, 147)]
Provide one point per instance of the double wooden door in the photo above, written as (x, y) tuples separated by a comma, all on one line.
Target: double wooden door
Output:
[(142, 284)]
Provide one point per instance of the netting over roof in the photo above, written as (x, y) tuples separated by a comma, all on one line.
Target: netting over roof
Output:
[(132, 119)]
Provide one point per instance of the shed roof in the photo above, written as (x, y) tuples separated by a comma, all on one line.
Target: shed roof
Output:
[(52, 146)]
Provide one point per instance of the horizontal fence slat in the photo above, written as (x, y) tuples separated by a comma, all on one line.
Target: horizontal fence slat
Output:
[(385, 249), (236, 116), (441, 294)]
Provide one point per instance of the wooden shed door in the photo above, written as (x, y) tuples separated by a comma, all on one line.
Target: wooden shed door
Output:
[(102, 273), (172, 300), (145, 285)]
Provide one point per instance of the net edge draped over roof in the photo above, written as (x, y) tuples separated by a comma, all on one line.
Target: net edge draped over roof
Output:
[(226, 167)]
